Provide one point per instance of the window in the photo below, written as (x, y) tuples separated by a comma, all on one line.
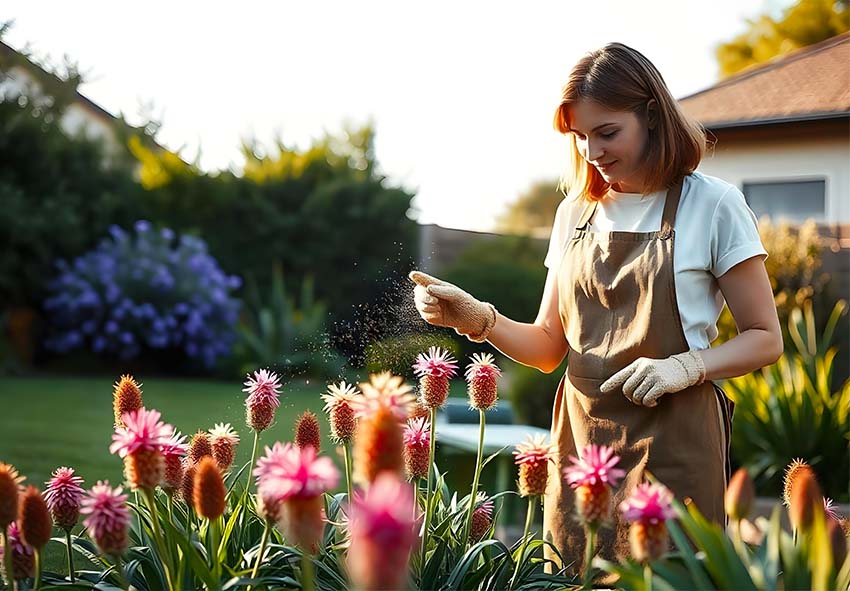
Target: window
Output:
[(794, 201)]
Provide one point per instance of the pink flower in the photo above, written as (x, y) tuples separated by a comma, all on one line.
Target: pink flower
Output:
[(596, 466), (532, 457), (382, 534), (829, 509), (23, 556), (263, 392), (172, 454), (384, 391), (108, 518), (417, 447), (62, 495), (293, 472), (175, 445), (648, 504), (437, 363), (417, 433), (143, 432)]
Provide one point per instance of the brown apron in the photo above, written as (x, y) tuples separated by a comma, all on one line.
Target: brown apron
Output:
[(618, 303)]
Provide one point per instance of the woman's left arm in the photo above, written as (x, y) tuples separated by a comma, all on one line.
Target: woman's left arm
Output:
[(748, 294)]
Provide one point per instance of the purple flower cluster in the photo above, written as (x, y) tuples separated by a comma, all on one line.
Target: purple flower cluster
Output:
[(146, 288)]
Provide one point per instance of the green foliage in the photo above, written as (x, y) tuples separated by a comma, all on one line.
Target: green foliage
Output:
[(397, 354), (533, 211), (804, 23), (532, 393), (284, 334), (791, 410)]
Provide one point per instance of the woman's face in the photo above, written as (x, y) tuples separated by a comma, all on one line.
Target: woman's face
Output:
[(612, 141)]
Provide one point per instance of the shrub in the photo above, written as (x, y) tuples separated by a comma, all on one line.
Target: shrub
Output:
[(397, 354), (143, 289), (532, 393)]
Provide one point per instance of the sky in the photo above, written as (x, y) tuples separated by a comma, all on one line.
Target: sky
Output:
[(461, 94)]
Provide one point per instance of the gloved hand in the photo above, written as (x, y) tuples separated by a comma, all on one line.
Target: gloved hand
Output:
[(645, 380), (443, 304)]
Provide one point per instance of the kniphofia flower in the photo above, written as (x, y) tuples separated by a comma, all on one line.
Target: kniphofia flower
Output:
[(208, 492), (806, 498), (592, 477), (648, 508), (10, 489), (307, 431), (23, 556), (792, 472), (434, 370), (482, 518), (108, 518), (35, 521), (339, 405), (263, 399), (63, 496), (126, 397), (739, 495), (173, 452), (224, 441), (417, 445), (532, 457), (382, 534), (139, 443), (481, 377)]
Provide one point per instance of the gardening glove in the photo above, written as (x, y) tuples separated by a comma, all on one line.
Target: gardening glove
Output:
[(645, 380), (443, 304)]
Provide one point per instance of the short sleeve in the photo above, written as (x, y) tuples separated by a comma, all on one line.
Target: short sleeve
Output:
[(556, 240), (734, 233)]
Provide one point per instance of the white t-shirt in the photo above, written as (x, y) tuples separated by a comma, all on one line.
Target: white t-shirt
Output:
[(715, 230)]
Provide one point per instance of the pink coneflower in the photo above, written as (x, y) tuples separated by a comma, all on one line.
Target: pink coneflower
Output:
[(139, 443), (263, 399), (417, 445), (23, 556), (434, 370), (382, 534), (294, 479), (173, 452), (532, 457), (592, 477), (108, 518), (482, 518), (10, 489), (63, 496), (481, 376), (648, 507), (339, 405), (126, 397), (224, 441)]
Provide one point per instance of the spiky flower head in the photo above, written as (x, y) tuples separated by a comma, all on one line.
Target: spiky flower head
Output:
[(830, 510), (224, 441), (23, 556), (263, 399), (806, 499), (187, 483), (532, 457), (208, 493), (481, 376), (108, 518), (384, 391), (482, 517), (173, 453), (307, 431), (10, 489), (793, 471), (418, 410), (339, 405), (417, 447), (434, 370), (139, 443), (382, 534), (63, 496), (268, 503), (378, 446), (648, 508), (36, 524), (592, 477), (126, 397), (200, 446), (739, 495)]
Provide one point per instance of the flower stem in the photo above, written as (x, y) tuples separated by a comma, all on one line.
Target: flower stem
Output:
[(37, 584), (346, 446), (119, 570), (251, 467), (647, 577), (474, 494), (70, 554), (7, 560), (214, 529), (589, 551), (263, 541), (157, 534), (529, 517), (431, 476), (307, 576)]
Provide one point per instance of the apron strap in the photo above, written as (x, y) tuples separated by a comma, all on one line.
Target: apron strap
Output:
[(671, 206), (588, 212)]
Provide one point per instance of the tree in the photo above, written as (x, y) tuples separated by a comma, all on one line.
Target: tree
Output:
[(805, 23), (533, 211)]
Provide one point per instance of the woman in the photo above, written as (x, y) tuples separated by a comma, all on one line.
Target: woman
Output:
[(643, 253)]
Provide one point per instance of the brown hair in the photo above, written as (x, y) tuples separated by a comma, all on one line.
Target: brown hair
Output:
[(621, 79)]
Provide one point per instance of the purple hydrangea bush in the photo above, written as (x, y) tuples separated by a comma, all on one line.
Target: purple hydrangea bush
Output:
[(146, 288)]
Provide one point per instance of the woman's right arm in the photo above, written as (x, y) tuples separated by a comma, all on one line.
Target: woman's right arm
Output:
[(541, 344)]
